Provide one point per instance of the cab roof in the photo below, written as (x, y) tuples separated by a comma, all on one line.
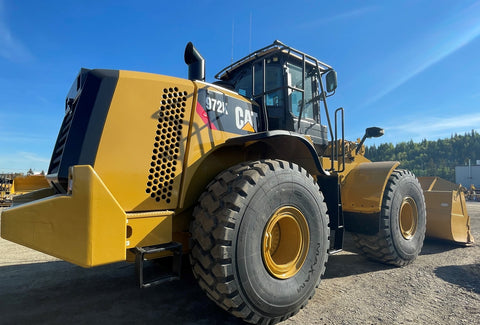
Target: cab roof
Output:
[(275, 47)]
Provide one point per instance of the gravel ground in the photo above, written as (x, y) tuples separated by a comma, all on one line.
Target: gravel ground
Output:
[(441, 287)]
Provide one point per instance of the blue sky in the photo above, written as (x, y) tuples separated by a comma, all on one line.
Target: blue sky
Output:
[(411, 67)]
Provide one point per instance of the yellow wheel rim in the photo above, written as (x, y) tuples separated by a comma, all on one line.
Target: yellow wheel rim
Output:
[(408, 218), (285, 242)]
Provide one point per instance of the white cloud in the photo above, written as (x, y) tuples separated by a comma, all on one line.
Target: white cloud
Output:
[(11, 48), (453, 34), (342, 16), (33, 157), (22, 162), (14, 138), (431, 128)]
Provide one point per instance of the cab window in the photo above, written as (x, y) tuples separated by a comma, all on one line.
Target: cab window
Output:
[(273, 82), (296, 96), (243, 85)]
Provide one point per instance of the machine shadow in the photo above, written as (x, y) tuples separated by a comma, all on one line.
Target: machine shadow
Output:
[(59, 292), (465, 276), (351, 262), (62, 293), (435, 246), (346, 265)]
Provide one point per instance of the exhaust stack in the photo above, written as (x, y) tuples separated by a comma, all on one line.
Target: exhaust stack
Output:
[(195, 62)]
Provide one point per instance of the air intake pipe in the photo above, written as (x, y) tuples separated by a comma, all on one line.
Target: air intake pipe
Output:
[(195, 62)]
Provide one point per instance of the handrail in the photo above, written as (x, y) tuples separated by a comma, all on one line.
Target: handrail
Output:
[(340, 109)]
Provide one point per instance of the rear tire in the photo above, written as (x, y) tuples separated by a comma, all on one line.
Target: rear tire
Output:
[(241, 255), (402, 222)]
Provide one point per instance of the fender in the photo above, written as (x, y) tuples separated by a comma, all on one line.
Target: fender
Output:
[(362, 194), (286, 145)]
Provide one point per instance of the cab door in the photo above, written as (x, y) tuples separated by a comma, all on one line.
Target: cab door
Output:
[(303, 101)]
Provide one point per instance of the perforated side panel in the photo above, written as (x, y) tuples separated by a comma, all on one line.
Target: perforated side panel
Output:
[(166, 151)]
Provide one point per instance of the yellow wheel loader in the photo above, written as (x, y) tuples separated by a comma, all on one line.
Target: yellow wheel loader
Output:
[(5, 190), (12, 185), (28, 183), (250, 175)]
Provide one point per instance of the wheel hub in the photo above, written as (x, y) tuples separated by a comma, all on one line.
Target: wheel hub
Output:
[(285, 242), (408, 218)]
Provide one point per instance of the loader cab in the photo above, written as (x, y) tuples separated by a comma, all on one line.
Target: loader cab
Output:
[(288, 87)]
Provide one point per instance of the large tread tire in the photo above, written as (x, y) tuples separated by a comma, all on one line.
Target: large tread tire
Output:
[(229, 221), (389, 245)]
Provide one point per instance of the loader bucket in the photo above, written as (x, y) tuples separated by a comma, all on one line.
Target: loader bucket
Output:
[(447, 216), (29, 183)]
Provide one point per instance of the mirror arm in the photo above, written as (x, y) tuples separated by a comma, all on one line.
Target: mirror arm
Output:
[(372, 132), (361, 144)]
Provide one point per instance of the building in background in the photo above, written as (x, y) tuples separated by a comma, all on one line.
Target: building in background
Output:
[(468, 175)]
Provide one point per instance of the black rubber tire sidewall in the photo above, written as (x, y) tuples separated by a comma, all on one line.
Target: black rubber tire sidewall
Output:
[(407, 186), (263, 292)]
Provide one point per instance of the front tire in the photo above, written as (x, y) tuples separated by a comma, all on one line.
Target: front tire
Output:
[(402, 222), (260, 240)]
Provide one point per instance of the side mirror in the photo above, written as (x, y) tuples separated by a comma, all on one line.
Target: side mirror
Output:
[(372, 132), (331, 80)]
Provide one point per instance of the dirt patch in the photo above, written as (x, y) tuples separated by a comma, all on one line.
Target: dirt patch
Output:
[(441, 286)]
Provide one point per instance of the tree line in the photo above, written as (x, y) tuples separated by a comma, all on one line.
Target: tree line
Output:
[(431, 158)]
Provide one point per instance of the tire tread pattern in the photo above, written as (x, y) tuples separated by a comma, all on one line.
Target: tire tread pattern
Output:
[(212, 234), (380, 247)]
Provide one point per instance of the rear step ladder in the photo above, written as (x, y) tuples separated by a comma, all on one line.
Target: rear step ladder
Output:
[(174, 274)]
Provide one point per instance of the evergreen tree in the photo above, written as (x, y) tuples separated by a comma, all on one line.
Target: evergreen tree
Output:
[(431, 158)]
